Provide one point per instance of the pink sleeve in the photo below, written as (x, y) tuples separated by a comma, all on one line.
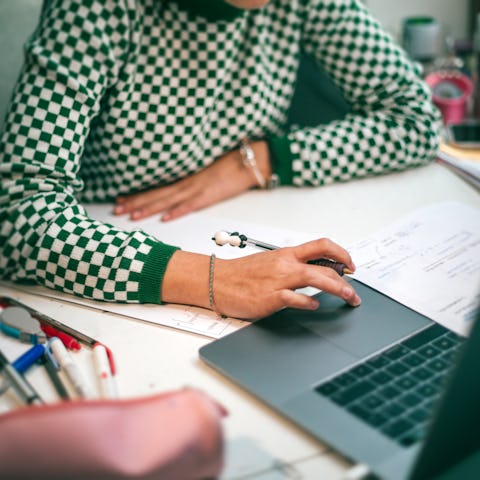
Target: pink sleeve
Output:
[(175, 435)]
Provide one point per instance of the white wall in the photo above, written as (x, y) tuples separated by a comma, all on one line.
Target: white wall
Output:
[(452, 14)]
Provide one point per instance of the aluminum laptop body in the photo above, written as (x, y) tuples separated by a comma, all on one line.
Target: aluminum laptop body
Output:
[(286, 359)]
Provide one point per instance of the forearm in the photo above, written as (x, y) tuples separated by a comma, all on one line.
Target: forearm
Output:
[(393, 123), (186, 279), (358, 146)]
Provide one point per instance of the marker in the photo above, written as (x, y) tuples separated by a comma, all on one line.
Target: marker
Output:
[(71, 370), (108, 387), (25, 361), (81, 337), (24, 390), (236, 239), (69, 342), (44, 319), (52, 368)]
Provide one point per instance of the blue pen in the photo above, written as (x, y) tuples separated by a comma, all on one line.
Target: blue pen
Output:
[(25, 361), (24, 390)]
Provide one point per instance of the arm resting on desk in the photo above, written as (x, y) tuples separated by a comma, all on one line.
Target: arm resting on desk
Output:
[(174, 435)]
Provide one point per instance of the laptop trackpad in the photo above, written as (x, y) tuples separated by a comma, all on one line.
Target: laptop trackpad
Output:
[(363, 330)]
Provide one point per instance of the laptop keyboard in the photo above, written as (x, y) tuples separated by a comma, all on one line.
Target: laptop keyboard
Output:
[(394, 391)]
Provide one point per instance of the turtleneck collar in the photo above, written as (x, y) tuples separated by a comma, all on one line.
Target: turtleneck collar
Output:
[(211, 9)]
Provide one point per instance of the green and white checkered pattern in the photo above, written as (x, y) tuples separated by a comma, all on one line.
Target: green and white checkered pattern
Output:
[(118, 96)]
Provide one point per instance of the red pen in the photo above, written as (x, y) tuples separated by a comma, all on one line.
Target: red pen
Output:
[(111, 361), (66, 339)]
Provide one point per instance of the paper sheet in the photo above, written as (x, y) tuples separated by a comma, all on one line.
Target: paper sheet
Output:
[(428, 260), (464, 162)]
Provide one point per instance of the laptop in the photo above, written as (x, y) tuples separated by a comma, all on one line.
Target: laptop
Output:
[(380, 383)]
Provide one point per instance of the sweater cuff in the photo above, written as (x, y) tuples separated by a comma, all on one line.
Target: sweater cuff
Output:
[(150, 285), (281, 158)]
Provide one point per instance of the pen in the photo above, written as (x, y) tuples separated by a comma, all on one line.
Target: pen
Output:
[(25, 361), (24, 390), (52, 368), (108, 387), (79, 336), (236, 239), (71, 370), (69, 342)]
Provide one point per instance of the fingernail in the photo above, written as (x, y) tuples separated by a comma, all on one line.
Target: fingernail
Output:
[(119, 209), (136, 214), (314, 304), (356, 301)]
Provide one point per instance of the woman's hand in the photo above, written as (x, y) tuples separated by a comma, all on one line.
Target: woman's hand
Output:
[(258, 285), (225, 178)]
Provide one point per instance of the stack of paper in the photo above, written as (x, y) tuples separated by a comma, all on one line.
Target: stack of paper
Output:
[(464, 162)]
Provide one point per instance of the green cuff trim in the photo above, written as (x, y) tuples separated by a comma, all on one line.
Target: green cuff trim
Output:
[(281, 158), (150, 287), (212, 9)]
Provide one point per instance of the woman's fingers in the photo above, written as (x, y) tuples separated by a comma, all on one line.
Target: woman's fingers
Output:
[(181, 210), (223, 179), (266, 282), (324, 248), (327, 280), (292, 299), (129, 203), (158, 200)]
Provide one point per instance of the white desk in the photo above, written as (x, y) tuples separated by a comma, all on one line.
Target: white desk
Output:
[(151, 358)]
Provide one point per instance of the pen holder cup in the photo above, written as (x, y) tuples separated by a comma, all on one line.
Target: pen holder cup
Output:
[(451, 93)]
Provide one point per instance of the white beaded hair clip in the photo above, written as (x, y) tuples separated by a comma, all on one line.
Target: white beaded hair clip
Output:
[(234, 239)]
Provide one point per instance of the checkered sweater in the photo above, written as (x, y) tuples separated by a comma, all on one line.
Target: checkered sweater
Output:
[(121, 95)]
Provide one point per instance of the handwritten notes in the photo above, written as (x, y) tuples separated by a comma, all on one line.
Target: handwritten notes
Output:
[(428, 260)]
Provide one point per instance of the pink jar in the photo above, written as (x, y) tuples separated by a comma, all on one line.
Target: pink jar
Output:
[(451, 93)]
